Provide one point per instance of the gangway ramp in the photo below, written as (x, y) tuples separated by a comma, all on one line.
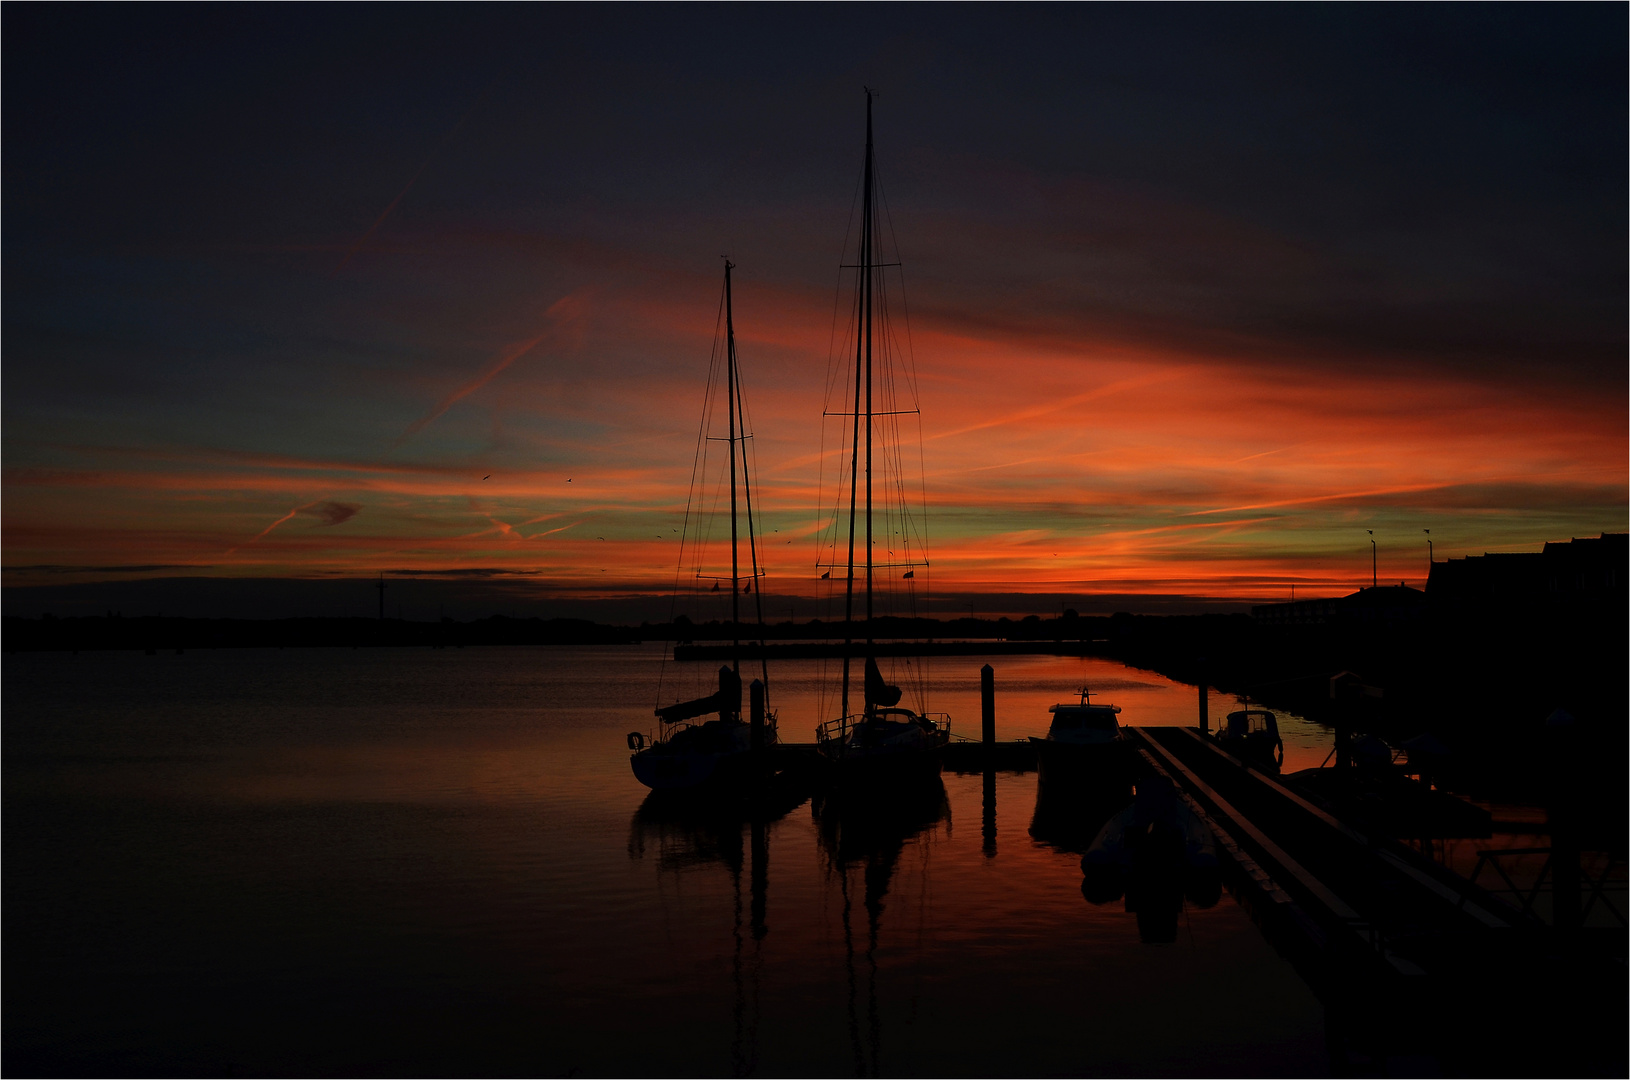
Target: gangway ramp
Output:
[(1408, 957)]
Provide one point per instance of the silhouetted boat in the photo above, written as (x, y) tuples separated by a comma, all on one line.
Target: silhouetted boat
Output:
[(1085, 746), (1252, 735), (692, 755), (726, 750), (885, 738)]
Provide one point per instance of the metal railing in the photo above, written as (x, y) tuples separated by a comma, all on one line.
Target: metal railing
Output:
[(1598, 885), (838, 729)]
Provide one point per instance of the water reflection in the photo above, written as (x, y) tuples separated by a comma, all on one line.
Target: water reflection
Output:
[(987, 825), (1069, 815), (868, 828), (1156, 853), (686, 832)]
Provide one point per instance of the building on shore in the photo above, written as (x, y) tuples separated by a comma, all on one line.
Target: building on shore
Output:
[(1381, 604), (1576, 580)]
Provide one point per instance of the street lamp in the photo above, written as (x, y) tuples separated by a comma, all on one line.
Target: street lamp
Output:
[(1372, 557), (1428, 533)]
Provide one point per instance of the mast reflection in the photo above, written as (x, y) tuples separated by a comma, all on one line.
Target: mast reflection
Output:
[(869, 828), (686, 833)]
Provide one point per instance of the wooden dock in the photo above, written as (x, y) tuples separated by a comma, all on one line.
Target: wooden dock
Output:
[(1419, 969), (1411, 959)]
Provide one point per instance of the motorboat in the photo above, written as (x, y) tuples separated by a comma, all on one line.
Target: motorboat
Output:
[(1252, 735), (1084, 745)]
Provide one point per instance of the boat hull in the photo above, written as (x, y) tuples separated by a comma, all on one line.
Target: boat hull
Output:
[(660, 770), (1101, 769), (869, 766)]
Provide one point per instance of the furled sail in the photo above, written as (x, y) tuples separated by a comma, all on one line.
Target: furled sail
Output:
[(727, 702), (878, 692)]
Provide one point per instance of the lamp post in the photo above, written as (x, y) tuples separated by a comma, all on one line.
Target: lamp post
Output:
[(1372, 557), (1428, 533)]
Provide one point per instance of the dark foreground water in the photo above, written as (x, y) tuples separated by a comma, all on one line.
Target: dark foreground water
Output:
[(400, 862)]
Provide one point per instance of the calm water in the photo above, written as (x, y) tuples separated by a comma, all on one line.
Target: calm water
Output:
[(393, 861)]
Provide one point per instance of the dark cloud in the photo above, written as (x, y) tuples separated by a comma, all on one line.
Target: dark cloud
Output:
[(330, 513), (57, 568)]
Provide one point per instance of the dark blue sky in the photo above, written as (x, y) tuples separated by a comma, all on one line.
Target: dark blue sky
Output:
[(196, 262)]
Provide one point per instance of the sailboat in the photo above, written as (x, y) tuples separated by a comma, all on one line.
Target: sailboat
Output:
[(687, 752), (883, 736)]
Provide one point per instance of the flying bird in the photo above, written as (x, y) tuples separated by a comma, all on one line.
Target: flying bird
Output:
[(487, 477)]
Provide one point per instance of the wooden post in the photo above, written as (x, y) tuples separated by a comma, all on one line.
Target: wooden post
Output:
[(1205, 698), (1565, 892), (988, 822), (987, 705), (1562, 813), (755, 697)]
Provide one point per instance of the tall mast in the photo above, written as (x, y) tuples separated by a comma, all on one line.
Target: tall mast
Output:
[(730, 408), (752, 548), (863, 362), (866, 239)]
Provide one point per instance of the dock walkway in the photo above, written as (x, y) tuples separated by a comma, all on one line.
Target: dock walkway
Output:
[(1403, 951)]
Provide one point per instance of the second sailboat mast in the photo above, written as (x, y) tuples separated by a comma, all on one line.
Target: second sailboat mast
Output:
[(863, 371), (730, 408), (867, 239)]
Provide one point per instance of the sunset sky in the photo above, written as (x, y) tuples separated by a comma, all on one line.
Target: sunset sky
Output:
[(1197, 295)]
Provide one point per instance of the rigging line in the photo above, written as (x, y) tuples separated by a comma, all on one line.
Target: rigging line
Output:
[(731, 411), (912, 382), (837, 292), (697, 462), (752, 550), (832, 381), (905, 304), (910, 524)]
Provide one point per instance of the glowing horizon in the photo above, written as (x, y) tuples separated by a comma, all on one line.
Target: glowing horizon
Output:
[(1153, 474)]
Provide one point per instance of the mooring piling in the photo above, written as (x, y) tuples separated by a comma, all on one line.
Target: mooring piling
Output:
[(987, 705), (755, 697), (1205, 698)]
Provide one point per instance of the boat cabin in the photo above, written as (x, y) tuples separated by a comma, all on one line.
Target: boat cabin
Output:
[(1253, 734), (1084, 722)]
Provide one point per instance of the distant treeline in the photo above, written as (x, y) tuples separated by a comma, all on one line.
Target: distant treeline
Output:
[(113, 631), (154, 633)]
